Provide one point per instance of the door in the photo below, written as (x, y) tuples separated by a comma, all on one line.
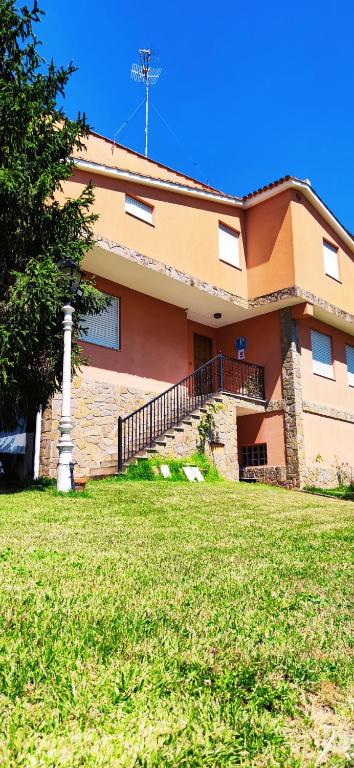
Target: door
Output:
[(203, 347)]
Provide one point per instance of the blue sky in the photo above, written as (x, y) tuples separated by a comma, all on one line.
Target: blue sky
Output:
[(252, 90)]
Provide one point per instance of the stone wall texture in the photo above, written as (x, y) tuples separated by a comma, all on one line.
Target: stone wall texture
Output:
[(95, 407), (292, 397), (267, 475)]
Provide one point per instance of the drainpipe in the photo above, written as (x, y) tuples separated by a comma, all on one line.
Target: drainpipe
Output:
[(37, 444)]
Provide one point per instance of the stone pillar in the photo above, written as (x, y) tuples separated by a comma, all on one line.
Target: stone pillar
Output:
[(223, 450), (292, 395)]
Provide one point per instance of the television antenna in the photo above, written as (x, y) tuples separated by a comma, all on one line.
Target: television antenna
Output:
[(144, 73)]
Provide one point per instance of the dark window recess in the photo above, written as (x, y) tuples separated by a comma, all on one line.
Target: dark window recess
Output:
[(254, 455)]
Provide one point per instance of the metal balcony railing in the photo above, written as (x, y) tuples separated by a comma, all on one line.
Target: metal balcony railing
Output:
[(141, 428)]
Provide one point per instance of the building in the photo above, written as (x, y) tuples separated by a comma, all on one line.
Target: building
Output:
[(195, 272)]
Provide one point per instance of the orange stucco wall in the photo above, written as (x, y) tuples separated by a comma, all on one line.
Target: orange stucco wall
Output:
[(263, 347), (184, 233), (309, 231), (102, 150), (331, 441), (258, 428), (336, 392), (154, 339), (270, 260)]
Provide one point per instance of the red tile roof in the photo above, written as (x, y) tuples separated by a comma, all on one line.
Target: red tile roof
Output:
[(272, 184)]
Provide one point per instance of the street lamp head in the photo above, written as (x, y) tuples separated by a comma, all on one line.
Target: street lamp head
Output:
[(71, 274)]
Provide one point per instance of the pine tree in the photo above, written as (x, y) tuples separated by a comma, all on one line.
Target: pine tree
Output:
[(37, 141)]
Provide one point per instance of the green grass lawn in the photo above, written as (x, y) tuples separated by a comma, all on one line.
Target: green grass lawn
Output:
[(148, 625)]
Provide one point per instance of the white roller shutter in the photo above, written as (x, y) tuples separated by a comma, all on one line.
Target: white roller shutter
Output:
[(229, 246), (103, 329), (350, 364), (322, 354), (330, 258), (138, 208)]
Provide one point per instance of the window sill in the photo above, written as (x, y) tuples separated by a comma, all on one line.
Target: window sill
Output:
[(323, 376), (336, 279), (234, 266), (143, 221), (101, 346)]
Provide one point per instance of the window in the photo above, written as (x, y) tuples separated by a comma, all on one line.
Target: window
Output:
[(350, 364), (103, 329), (322, 362), (330, 258), (254, 455), (228, 246), (138, 209)]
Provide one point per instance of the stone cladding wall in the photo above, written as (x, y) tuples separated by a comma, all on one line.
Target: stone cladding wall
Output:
[(268, 475), (184, 440), (96, 406), (292, 397)]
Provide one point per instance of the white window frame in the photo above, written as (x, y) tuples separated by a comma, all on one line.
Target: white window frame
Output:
[(349, 355), (229, 245), (138, 209), (111, 313), (331, 260), (322, 343)]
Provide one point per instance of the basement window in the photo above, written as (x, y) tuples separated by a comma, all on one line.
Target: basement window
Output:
[(350, 364), (229, 245), (322, 359), (330, 259), (103, 329), (254, 455), (137, 208)]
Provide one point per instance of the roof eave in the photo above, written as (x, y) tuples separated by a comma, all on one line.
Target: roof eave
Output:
[(312, 197), (184, 189)]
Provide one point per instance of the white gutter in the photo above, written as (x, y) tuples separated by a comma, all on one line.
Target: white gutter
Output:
[(183, 189), (311, 196), (149, 181)]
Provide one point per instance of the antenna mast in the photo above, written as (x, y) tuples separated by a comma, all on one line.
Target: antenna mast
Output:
[(144, 73)]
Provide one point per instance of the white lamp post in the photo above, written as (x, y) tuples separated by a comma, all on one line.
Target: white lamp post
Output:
[(72, 275)]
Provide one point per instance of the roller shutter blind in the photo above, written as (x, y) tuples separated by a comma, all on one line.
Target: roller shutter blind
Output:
[(229, 246), (322, 354), (138, 208), (330, 257), (103, 329), (350, 364)]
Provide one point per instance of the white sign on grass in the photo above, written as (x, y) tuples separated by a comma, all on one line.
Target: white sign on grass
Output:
[(165, 470), (193, 474)]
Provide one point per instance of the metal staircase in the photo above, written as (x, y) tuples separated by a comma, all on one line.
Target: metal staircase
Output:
[(144, 427)]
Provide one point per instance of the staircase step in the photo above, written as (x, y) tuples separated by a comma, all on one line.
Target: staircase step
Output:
[(160, 442), (180, 429), (98, 472), (170, 435), (151, 450)]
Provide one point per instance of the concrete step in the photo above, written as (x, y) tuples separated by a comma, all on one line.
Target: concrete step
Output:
[(106, 464), (98, 472)]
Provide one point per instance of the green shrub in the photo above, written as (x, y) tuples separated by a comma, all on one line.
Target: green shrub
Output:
[(147, 469)]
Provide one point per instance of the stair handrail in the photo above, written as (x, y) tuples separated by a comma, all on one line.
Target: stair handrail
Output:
[(213, 367)]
